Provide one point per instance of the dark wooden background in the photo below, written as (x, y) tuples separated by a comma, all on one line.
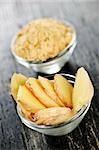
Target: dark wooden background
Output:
[(85, 17)]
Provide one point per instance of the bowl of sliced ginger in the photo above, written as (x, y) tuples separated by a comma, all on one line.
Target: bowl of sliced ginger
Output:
[(53, 105)]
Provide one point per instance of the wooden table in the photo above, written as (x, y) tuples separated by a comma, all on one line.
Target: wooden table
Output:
[(85, 17)]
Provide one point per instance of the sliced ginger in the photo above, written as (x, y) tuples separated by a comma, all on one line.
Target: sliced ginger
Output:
[(38, 91), (26, 112), (52, 116), (16, 81), (63, 89), (26, 98), (49, 89), (83, 89)]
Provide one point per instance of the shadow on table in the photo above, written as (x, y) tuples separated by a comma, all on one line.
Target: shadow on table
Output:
[(57, 142), (69, 68)]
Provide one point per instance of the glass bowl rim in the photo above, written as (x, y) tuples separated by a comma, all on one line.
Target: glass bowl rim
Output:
[(76, 116)]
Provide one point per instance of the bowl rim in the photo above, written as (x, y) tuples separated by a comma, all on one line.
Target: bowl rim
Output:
[(76, 116), (65, 50)]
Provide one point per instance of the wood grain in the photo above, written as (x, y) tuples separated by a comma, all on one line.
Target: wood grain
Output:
[(85, 17)]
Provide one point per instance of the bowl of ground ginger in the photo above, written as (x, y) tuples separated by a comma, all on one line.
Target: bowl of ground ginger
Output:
[(44, 45)]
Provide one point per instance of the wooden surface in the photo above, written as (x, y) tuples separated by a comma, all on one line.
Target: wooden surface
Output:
[(85, 17)]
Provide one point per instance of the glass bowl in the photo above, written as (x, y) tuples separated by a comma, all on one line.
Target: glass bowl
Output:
[(52, 65), (61, 129)]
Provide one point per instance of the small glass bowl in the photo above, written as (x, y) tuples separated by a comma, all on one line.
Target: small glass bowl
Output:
[(52, 65), (61, 129)]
